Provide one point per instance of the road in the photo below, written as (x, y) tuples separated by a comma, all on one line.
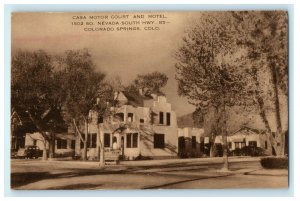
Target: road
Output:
[(156, 174)]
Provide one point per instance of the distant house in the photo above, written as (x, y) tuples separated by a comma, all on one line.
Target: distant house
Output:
[(249, 137), (64, 143), (20, 125), (193, 143), (24, 132)]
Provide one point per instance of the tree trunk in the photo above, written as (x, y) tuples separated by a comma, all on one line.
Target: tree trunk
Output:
[(212, 147), (45, 151), (224, 137), (102, 159), (52, 146), (225, 152), (277, 109), (212, 150), (262, 113), (215, 131), (84, 154)]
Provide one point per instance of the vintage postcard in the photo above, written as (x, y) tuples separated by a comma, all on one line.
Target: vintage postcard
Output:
[(149, 100)]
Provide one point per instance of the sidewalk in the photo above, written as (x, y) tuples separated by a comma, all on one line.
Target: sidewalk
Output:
[(269, 172), (141, 163)]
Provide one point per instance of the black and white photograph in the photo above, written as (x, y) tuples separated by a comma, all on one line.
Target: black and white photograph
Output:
[(149, 100)]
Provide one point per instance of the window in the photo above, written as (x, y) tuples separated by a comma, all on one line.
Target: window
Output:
[(168, 118), (94, 140), (88, 143), (73, 142), (130, 117), (132, 140), (230, 145), (201, 144), (237, 145), (34, 142), (61, 144), (91, 141), (106, 140), (128, 140), (266, 145), (161, 117), (181, 143), (100, 119), (119, 117), (194, 142), (159, 141), (243, 144), (81, 142), (252, 144), (142, 121)]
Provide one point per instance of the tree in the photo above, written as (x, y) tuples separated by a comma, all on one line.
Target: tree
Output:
[(105, 100), (205, 73), (150, 83), (33, 92), (264, 36), (85, 91), (198, 118)]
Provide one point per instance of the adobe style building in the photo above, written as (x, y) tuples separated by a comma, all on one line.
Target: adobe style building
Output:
[(147, 129), (193, 142)]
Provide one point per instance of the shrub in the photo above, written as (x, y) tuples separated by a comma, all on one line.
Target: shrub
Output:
[(252, 151), (274, 162), (236, 152), (183, 154), (140, 157), (248, 151), (218, 151)]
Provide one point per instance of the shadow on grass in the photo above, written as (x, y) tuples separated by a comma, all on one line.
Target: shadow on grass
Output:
[(75, 187), (20, 179), (24, 178)]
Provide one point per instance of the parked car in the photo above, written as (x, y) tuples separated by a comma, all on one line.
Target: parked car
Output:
[(13, 153), (29, 152)]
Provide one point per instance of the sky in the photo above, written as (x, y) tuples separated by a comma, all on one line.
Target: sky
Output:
[(122, 54), (118, 53)]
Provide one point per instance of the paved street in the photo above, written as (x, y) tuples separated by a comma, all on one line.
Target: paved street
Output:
[(152, 174)]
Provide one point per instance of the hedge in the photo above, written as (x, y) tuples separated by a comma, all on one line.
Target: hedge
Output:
[(275, 162)]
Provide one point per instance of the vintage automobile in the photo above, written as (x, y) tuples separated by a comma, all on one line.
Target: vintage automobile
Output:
[(29, 152), (13, 153)]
